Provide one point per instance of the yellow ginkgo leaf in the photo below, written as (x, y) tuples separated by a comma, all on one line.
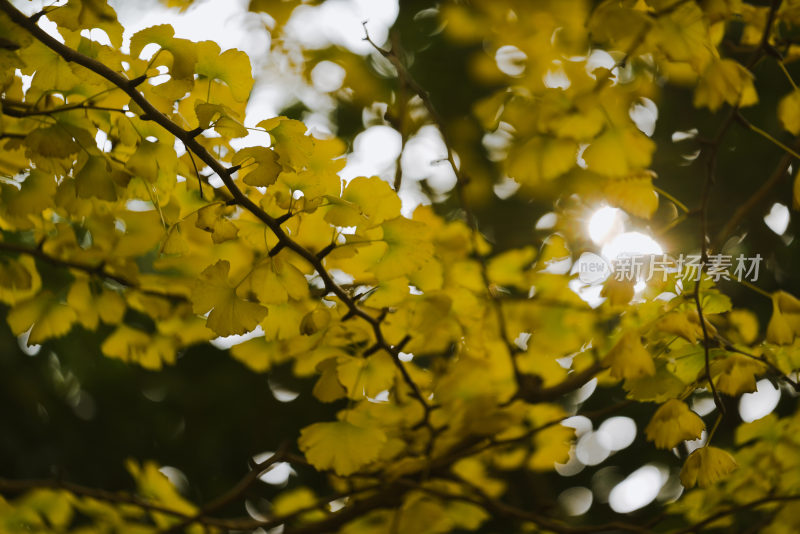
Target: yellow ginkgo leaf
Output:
[(261, 168), (725, 81), (34, 195), (746, 324), (552, 446), (672, 423), (154, 486), (683, 35), (508, 268), (706, 466), (341, 446), (274, 281), (686, 325), (784, 324), (80, 299), (366, 376), (132, 345), (94, 180), (629, 359), (231, 66), (107, 306), (542, 158), (789, 112), (618, 292), (19, 279), (230, 314), (260, 354), (408, 248), (365, 201), (328, 388), (736, 374), (182, 51), (291, 142), (619, 152), (295, 500), (110, 306), (48, 317), (779, 331), (388, 293), (314, 321), (152, 158), (53, 505), (212, 219), (635, 194)]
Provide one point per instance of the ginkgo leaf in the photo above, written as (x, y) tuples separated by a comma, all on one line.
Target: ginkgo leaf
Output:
[(183, 51), (784, 324), (51, 142), (673, 423), (736, 374), (619, 152), (314, 321), (618, 292), (14, 276), (341, 446), (659, 387), (55, 507), (153, 485), (725, 81), (542, 158), (683, 35), (274, 281), (231, 66), (80, 299), (328, 388), (132, 345), (264, 168), (629, 359), (552, 446), (44, 314), (110, 306), (222, 118), (407, 248), (80, 15), (388, 292), (230, 314), (295, 500), (508, 269), (789, 112), (365, 201), (94, 180), (34, 195), (18, 279), (746, 324), (706, 466), (151, 158), (107, 306), (633, 194), (367, 376), (291, 142), (211, 219), (260, 354), (686, 325)]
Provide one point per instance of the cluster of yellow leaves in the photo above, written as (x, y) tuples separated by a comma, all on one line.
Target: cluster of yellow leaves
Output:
[(143, 241)]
